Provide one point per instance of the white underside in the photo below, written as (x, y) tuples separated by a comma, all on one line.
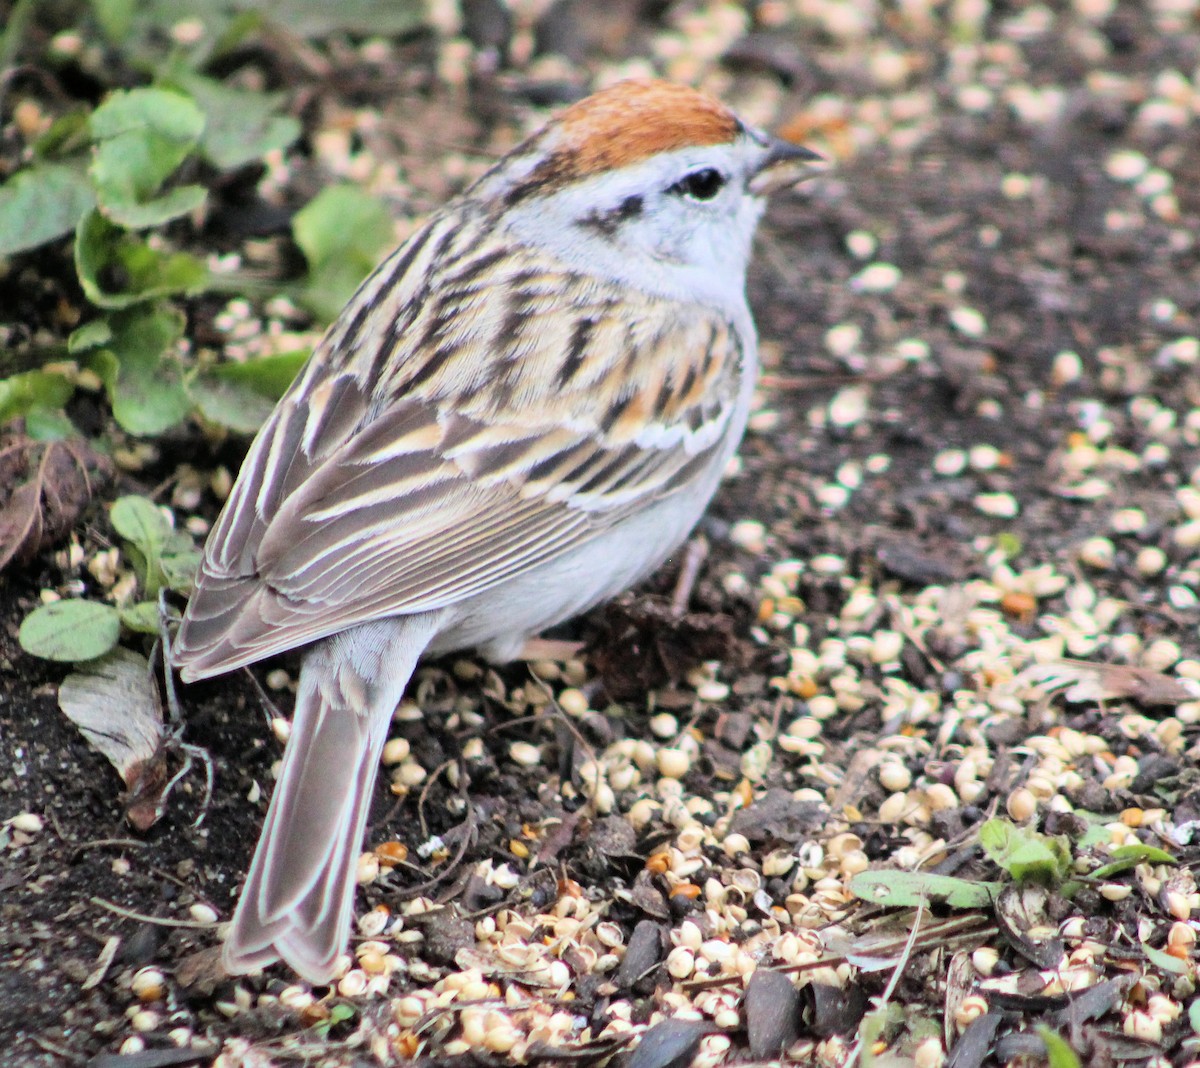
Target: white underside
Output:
[(499, 621)]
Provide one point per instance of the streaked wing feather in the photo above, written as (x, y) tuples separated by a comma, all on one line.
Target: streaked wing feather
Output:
[(485, 444)]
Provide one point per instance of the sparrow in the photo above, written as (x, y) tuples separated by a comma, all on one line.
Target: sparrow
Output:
[(522, 412)]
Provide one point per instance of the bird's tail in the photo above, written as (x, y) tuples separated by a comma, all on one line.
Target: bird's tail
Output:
[(298, 899)]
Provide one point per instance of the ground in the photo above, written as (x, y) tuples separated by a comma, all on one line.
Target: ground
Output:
[(952, 578)]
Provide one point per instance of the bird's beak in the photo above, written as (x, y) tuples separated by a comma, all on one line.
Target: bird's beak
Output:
[(782, 166)]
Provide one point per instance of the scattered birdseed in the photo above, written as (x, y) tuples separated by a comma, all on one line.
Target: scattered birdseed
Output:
[(673, 763), (1126, 165), (950, 462), (396, 750), (26, 822), (848, 406), (202, 913), (969, 322), (861, 245), (748, 534), (843, 339), (1000, 505), (876, 278), (525, 754)]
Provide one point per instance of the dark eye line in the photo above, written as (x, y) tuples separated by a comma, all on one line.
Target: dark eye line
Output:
[(703, 184), (607, 223)]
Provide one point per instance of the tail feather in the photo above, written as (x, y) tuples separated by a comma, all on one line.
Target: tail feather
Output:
[(298, 899)]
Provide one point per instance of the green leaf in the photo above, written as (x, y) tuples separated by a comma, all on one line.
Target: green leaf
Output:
[(241, 125), (45, 424), (1024, 853), (1194, 1015), (19, 17), (141, 521), (1160, 958), (115, 18), (229, 405), (240, 396), (1130, 856), (145, 385), (180, 561), (342, 232), (41, 203), (1097, 834), (70, 630), (89, 336), (1009, 544), (142, 135), (1058, 1051), (30, 391), (66, 135), (268, 376), (339, 1012), (880, 1025), (141, 617), (161, 555), (117, 270), (147, 39), (910, 888)]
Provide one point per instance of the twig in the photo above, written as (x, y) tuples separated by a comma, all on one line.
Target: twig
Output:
[(890, 989), (580, 740), (59, 1051), (158, 921), (124, 843), (437, 773), (469, 822)]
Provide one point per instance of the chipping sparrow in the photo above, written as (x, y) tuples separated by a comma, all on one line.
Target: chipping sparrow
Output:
[(522, 412)]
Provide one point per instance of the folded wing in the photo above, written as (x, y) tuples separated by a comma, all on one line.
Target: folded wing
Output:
[(467, 418)]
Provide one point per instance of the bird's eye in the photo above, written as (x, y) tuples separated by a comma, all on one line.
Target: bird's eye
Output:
[(703, 184)]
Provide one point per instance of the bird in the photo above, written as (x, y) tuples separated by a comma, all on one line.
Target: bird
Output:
[(522, 412)]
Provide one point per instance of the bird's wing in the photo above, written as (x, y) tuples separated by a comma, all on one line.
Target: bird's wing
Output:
[(468, 417)]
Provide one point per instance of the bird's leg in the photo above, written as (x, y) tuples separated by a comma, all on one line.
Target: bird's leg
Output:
[(190, 751), (695, 552)]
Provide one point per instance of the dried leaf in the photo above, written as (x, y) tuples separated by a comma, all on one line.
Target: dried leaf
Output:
[(113, 701), (976, 1041), (558, 838), (647, 897), (104, 961), (1083, 680), (777, 816), (882, 944), (1023, 913), (960, 979), (51, 483), (1094, 1002), (645, 950)]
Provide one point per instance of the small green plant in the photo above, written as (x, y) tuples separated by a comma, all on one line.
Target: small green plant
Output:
[(1059, 1053), (339, 1013), (125, 177), (1026, 854), (907, 889), (162, 558), (112, 176)]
